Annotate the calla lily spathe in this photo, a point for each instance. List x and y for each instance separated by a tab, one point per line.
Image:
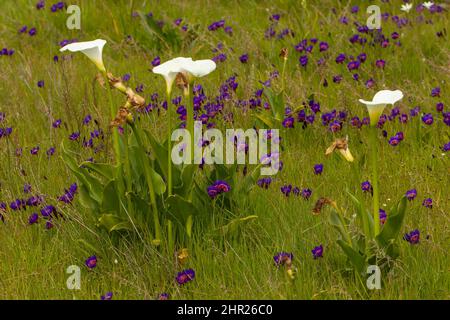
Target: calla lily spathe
170	69
379	102
92	49
406	7
428	4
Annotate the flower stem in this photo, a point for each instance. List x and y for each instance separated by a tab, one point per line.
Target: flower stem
169	147
190	119
282	74
113	111
376	201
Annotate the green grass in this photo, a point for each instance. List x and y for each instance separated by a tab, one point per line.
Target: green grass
33	261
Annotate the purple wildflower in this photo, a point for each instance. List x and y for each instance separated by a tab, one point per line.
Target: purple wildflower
33	218
283	258
185	276
366	186
91	262
318	168
107	296
428	203
317	252
413	237
428	119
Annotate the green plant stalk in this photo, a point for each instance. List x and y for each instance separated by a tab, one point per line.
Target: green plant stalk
376	201
115	133
282	75
169	169
169	146
150	185
190	119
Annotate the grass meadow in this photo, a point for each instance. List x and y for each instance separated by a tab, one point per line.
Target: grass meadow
410	53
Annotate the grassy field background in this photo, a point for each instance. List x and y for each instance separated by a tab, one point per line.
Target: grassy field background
33	260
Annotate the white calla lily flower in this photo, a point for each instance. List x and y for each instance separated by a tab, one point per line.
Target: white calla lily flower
379	102
428	4
406	7
200	68
92	49
170	69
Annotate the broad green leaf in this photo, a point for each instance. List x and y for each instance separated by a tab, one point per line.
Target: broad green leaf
158	183
160	152
106	170
367	220
266	119
180	209
110	200
113	223
189	223
86	200
393	224
355	257
337	221
93	185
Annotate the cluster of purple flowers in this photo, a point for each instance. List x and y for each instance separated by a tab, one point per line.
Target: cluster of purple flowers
396	139
6	52
264	182
217	188
296	191
69	194
58	6
216	25
31	31
271	31
5	132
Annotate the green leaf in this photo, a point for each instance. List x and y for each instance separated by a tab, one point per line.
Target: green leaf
367	220
85	199
158	183
189	223
160	152
393	224
180	209
233	226
93	185
357	260
110	199
276	102
114	223
266	119
337	221
187	179
106	170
